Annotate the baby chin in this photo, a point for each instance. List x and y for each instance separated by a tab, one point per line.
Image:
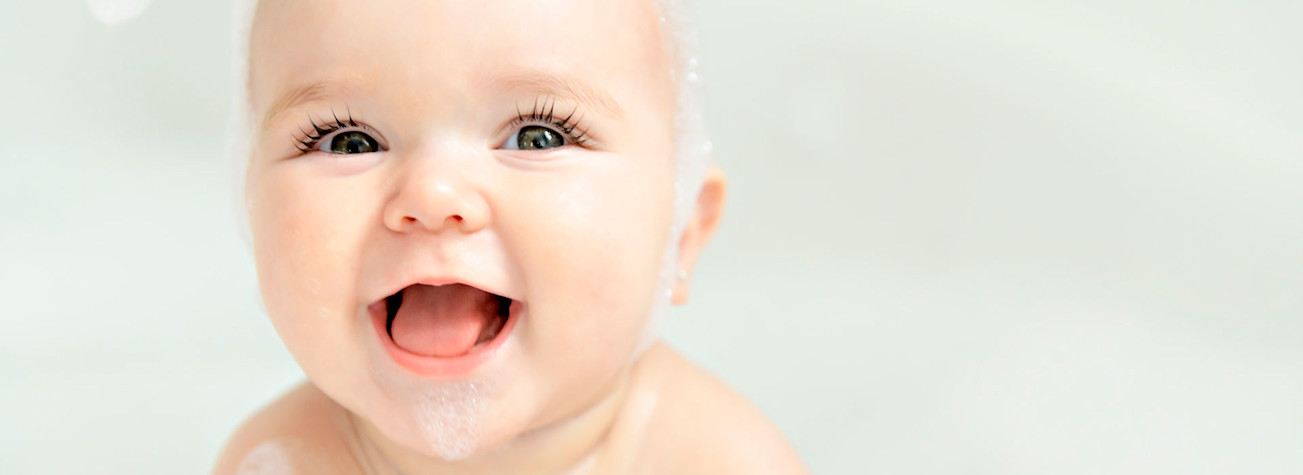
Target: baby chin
448	419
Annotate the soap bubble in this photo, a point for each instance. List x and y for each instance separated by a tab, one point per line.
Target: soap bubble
114	12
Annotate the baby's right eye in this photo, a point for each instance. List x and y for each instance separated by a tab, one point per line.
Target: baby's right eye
340	137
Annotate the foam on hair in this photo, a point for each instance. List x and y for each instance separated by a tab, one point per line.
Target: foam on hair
692	152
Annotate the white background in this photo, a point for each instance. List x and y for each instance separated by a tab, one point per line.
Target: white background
1014	237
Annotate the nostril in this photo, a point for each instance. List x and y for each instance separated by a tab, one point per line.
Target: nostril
457	217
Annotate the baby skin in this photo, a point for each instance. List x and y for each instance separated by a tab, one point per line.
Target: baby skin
464	220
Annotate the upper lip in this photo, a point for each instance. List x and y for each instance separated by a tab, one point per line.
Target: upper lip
445	279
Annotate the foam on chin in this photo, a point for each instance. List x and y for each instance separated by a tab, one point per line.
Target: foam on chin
449	418
444	419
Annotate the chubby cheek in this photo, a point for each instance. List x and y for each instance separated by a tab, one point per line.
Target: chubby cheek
305	232
591	244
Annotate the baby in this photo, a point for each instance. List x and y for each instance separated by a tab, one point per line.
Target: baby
467	217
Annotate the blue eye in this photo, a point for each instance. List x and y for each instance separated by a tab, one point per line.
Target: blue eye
534	137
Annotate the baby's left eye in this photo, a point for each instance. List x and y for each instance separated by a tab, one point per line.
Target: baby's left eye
534	137
351	142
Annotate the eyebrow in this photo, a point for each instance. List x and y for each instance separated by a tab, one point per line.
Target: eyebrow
541	82
301	94
569	87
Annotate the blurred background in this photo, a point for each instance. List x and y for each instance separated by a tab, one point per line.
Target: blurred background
1015	237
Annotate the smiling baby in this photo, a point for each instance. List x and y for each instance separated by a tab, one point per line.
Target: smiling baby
467	217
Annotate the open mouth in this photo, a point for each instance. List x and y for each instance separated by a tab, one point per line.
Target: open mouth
427	324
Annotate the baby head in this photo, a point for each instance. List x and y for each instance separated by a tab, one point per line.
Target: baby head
468	215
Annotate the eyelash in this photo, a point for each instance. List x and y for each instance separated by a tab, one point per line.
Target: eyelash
544	113
310	139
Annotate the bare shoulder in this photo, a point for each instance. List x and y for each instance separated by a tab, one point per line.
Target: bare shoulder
700	425
301	432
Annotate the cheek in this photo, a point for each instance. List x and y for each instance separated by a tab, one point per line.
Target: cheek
591	244
304	230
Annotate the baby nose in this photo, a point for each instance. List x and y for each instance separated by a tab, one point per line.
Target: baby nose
433	200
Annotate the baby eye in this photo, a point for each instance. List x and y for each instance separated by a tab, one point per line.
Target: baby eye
534	137
351	142
343	136
543	129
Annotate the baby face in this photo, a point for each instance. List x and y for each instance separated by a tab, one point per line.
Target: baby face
460	209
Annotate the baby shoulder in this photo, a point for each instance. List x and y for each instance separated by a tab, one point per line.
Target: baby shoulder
701	425
298	433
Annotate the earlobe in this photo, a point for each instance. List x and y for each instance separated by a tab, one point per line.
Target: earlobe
699	229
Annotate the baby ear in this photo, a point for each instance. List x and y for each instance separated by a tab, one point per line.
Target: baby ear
699	229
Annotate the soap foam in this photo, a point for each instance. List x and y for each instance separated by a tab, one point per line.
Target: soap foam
268	458
450	415
116	12
443	418
282	456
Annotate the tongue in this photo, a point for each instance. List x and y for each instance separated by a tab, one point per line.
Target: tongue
441	321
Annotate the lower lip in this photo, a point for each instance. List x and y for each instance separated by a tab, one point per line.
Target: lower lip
436	367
